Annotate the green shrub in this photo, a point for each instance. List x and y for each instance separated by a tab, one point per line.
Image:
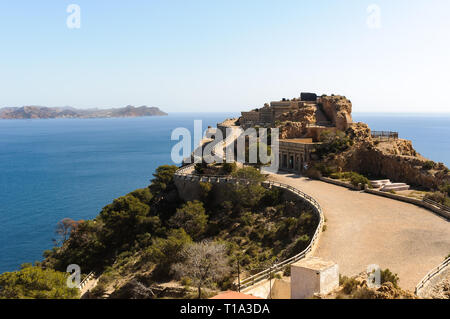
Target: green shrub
388	276
186	281
438	197
199	168
356	179
249	173
428	165
349	284
313	173
333	142
98	291
205	189
325	170
336	175
229	168
33	282
192	218
445	188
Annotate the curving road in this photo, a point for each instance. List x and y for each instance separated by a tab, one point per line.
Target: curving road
364	229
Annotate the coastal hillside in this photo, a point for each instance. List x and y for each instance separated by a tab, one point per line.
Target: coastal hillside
40	112
149	243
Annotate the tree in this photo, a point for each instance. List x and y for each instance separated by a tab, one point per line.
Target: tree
249	173
192	218
333	142
36	283
204	263
163	178
229	168
126	217
63	230
166	251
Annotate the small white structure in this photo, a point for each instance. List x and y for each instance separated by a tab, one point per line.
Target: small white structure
313	276
385	185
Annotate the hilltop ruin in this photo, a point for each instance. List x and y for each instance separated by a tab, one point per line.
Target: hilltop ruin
303	120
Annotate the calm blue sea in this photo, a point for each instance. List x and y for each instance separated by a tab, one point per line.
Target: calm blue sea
52	169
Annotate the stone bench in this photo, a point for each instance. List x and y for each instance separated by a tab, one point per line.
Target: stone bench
395	187
380	183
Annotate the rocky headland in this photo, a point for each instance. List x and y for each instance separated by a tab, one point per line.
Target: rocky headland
351	146
41	112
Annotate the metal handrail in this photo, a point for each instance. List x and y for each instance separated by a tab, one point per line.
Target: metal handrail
86	280
431	274
381	134
250	281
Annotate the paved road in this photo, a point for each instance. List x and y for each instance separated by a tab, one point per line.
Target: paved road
364	229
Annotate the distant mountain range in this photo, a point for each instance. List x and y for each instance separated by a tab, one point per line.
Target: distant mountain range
42	112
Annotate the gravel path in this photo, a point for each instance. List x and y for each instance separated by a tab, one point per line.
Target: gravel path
364	229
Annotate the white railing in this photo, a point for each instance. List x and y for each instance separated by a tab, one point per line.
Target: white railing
435	271
84	282
254	279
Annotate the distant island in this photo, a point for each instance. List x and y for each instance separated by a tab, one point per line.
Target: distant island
41	112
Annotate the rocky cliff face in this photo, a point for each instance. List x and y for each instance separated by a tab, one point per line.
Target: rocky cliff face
290	129
304	115
395	159
338	109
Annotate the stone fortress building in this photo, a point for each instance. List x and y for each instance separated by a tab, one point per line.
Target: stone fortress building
301	121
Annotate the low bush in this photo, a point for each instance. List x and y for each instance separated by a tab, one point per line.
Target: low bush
333	142
428	165
229	168
445	188
356	179
353	177
313	173
388	276
438	197
349	284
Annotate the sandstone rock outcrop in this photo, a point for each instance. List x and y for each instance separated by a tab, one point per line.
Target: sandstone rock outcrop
338	109
304	115
359	132
290	129
391	160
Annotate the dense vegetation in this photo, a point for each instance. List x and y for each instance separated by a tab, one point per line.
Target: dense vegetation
143	236
333	142
320	169
35	282
357	287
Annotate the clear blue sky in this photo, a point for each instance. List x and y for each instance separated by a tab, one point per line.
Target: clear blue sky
225	55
